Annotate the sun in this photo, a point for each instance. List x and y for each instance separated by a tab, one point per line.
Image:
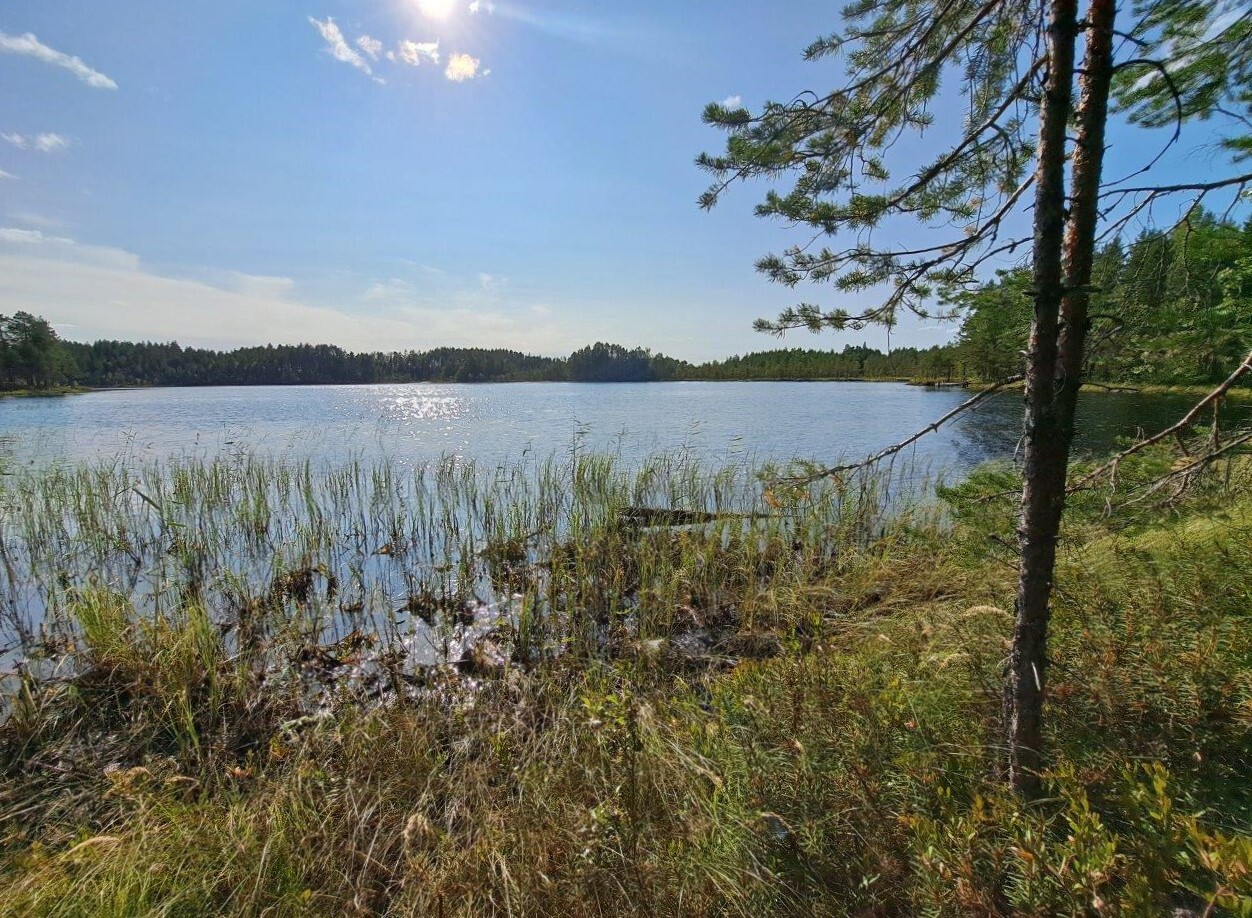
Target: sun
437	9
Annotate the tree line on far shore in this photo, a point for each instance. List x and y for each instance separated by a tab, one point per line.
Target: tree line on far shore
123	363
42	360
1172	308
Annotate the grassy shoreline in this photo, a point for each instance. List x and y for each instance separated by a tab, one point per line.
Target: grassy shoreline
50	392
789	711
1236	393
1239	393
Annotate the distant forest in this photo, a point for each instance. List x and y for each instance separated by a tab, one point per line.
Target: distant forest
1168	308
120	363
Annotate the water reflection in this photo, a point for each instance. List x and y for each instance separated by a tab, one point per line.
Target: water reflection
424	407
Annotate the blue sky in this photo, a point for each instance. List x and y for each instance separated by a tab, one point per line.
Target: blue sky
241	172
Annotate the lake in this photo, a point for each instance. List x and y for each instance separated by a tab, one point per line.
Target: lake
718	422
332	504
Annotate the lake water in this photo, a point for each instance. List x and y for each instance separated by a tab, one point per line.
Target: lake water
234	535
721	423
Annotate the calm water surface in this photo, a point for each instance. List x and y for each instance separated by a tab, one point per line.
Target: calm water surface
718	422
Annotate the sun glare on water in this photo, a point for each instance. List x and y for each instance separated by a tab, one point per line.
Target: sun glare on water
437	9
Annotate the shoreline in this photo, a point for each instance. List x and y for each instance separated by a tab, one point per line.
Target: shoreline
52	392
1238	393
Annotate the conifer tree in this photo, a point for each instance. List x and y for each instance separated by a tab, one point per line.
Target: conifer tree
1011	66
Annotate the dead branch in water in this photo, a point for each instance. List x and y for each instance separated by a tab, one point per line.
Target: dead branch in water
648	517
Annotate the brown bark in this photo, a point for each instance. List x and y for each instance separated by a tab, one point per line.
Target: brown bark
1063	257
1044	475
1088	166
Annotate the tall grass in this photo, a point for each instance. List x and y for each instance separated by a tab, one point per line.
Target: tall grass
232	534
574	688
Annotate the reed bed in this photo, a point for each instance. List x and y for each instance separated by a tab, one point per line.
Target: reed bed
415	555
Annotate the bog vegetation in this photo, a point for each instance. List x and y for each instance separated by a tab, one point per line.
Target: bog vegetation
250	687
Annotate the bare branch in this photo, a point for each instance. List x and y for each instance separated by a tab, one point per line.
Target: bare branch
1178	112
1158	190
908	441
1187	473
1187	420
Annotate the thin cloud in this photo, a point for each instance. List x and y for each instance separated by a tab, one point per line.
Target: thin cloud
414	52
33	247
338	46
30	46
36	221
370	46
31	237
481	6
734	103
260	285
492	284
7	175
68	283
44	143
461	67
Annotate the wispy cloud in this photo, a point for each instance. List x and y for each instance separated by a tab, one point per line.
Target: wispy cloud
365	48
484	6
260	285
36	221
733	102
50	143
370	46
338	46
492	284
31	46
7	175
40	247
69	282
462	67
414	52
31	237
44	143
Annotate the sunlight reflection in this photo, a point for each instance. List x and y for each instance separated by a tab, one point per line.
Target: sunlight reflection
425	407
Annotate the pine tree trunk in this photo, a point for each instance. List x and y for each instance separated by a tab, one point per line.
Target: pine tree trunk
1053	381
1084	212
1043	492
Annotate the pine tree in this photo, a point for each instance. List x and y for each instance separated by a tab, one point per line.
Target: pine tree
1014	70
